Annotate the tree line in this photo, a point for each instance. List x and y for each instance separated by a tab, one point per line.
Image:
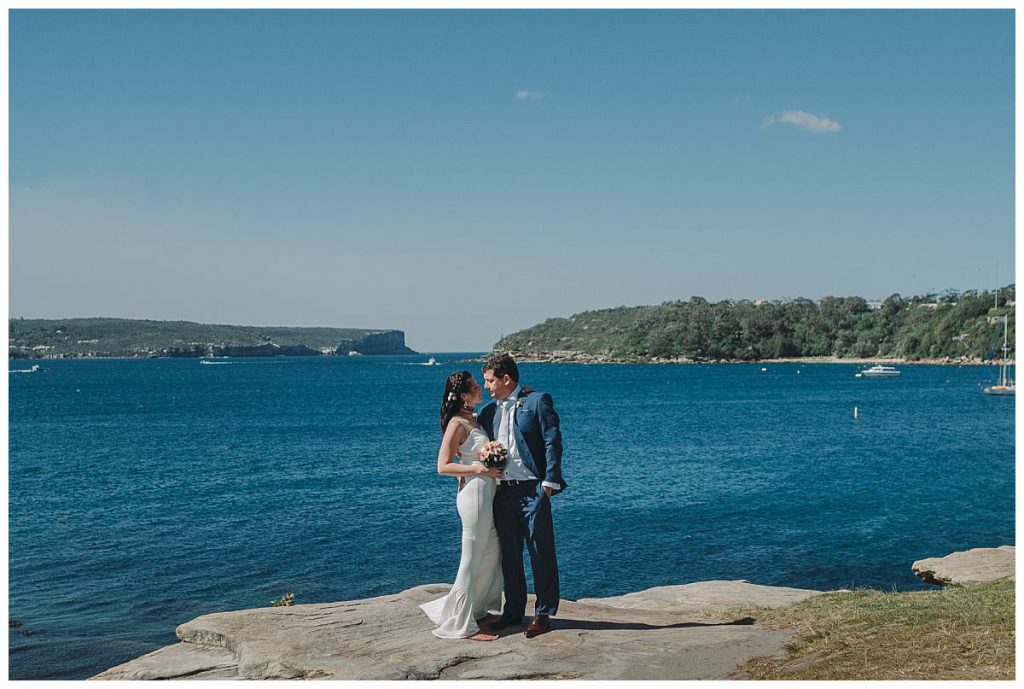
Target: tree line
954	325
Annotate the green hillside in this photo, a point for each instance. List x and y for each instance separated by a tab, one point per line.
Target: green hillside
957	325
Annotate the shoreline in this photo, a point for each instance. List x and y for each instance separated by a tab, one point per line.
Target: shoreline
584	358
566	357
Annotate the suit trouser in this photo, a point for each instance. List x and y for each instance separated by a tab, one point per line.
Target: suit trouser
523	513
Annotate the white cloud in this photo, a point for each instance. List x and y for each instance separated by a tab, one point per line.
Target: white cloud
817	124
523	94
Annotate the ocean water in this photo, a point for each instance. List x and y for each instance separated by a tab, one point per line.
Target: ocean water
146	493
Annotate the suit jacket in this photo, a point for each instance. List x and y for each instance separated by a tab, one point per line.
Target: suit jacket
538	437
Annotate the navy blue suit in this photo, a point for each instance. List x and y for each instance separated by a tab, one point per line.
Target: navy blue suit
523	513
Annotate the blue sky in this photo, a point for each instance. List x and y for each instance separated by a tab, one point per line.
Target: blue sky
464	174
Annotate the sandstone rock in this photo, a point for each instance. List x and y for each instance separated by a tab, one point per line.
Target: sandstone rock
656	634
968	567
703	596
180	661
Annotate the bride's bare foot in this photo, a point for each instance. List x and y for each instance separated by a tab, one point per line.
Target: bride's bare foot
483	636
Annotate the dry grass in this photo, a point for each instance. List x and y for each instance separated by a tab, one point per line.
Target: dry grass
952	633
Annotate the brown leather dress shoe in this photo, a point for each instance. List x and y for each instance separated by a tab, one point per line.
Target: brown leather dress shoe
539	625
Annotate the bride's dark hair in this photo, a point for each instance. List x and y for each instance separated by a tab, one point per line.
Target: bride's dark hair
456	384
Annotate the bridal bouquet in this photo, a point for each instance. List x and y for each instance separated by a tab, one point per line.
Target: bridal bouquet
494	455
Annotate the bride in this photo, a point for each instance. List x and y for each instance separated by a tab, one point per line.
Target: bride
477	587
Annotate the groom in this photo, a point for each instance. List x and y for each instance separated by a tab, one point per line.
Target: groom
525	422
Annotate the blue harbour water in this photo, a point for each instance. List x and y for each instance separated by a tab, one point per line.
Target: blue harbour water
146	493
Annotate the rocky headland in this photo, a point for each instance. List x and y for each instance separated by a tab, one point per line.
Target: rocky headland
96	338
689	631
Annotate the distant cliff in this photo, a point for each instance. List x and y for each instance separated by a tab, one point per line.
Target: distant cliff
118	337
381	342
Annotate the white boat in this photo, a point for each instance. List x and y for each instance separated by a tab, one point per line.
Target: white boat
878	370
1005	386
432	362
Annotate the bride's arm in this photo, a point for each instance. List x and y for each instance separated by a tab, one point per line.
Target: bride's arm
454	436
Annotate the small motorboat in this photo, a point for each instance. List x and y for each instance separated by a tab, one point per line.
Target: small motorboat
880	371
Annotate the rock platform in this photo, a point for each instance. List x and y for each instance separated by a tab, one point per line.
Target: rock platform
661	633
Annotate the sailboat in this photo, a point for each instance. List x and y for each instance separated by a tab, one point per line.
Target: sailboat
1005	386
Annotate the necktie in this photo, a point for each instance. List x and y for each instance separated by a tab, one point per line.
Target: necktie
504	431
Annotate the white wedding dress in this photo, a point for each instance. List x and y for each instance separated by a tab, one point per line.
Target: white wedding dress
477	587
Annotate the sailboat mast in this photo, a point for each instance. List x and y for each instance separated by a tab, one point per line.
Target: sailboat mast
1002	369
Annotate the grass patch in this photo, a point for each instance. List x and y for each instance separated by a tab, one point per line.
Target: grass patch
958	632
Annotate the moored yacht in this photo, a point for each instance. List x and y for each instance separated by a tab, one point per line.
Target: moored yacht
1005	386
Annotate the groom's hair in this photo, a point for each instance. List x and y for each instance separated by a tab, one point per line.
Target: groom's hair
500	364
